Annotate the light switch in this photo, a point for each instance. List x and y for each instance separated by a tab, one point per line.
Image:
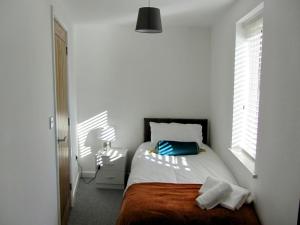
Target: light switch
51	122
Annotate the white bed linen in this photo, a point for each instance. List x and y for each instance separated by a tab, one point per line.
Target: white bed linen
189	169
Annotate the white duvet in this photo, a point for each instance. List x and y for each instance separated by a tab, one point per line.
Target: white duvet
190	169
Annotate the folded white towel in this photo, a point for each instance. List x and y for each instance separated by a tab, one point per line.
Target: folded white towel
234	200
213	196
208	184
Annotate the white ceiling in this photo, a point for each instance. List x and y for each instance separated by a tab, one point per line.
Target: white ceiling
173	12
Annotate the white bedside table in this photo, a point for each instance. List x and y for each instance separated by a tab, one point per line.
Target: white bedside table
112	168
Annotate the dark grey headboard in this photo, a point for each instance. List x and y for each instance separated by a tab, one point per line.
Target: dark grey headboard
202	122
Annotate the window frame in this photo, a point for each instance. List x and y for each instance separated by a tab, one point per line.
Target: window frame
247	157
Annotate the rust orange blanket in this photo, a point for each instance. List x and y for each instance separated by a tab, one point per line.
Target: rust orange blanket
174	204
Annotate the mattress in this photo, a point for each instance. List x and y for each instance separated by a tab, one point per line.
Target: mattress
149	167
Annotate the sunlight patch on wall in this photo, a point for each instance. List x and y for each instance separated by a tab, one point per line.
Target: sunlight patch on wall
89	129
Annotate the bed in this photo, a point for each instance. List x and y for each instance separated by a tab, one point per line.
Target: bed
161	190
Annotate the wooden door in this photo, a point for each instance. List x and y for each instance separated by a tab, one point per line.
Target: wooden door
62	115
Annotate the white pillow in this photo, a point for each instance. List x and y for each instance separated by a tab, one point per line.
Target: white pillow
176	132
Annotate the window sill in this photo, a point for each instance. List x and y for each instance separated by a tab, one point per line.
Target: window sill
245	159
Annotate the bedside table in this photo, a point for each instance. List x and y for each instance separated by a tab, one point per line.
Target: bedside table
112	168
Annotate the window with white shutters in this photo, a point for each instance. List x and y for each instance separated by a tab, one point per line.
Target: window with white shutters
248	55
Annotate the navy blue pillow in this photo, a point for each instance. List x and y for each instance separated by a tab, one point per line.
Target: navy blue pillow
176	148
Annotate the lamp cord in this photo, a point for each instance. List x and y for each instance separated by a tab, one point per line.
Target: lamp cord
88	181
148	3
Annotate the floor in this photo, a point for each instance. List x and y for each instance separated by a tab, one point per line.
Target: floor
95	206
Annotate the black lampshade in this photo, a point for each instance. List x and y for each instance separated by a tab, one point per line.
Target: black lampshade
149	20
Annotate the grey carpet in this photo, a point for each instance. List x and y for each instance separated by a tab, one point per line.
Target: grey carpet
95	206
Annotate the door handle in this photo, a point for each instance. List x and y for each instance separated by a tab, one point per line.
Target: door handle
62	140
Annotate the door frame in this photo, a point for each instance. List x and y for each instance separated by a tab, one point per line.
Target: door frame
54	18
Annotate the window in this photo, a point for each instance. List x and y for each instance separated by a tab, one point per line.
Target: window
248	53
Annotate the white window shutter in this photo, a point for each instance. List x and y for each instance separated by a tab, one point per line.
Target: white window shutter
246	88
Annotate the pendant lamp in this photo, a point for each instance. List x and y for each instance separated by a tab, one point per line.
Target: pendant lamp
148	20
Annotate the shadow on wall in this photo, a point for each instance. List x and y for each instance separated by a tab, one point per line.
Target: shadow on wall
92	132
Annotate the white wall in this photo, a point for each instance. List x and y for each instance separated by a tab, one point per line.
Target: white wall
133	75
278	160
278	157
28	162
28	175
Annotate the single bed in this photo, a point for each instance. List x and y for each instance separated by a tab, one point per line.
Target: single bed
161	190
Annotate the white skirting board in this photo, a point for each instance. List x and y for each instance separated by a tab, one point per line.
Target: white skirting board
74	189
88	174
